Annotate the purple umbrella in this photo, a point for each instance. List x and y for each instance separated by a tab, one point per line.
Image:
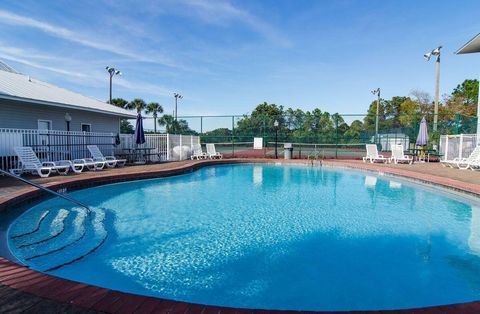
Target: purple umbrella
422	138
139	134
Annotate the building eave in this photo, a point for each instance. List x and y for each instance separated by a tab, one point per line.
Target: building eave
472	46
68	106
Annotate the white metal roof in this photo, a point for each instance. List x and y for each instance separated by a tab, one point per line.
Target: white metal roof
21	87
472	46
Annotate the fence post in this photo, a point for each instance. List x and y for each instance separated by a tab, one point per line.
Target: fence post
457	123
233	136
201	125
181	148
168	147
460	147
446	148
264	140
336	137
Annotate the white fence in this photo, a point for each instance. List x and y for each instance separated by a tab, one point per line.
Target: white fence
162	147
51	145
457	146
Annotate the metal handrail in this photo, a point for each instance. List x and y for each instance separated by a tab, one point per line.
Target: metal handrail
38	186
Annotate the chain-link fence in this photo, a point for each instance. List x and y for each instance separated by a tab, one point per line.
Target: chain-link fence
322	134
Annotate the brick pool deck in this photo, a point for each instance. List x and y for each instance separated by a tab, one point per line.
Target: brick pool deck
25	290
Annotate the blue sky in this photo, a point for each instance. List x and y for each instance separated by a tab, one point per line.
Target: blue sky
227	56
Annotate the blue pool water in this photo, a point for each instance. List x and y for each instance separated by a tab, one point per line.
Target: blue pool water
264	236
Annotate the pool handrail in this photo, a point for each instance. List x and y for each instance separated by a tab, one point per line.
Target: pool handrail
38	186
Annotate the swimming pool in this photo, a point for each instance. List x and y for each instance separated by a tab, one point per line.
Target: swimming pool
264	236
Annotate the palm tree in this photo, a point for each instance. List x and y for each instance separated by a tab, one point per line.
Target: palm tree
119	102
154	108
168	121
137	104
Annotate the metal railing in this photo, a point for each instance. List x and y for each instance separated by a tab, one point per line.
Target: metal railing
163	147
38	186
233	134
52	145
457	146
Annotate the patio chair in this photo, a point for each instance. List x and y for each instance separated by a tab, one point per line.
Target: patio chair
212	153
198	153
398	155
90	164
29	162
372	154
471	162
110	161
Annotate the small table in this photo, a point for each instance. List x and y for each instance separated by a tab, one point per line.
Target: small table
137	154
427	153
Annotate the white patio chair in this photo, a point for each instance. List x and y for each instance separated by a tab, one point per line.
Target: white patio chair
398	155
29	162
471	162
110	161
212	153
198	153
90	164
372	154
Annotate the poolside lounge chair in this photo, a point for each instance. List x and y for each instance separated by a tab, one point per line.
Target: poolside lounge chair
110	161
90	164
471	162
198	153
29	162
398	155
372	154
212	153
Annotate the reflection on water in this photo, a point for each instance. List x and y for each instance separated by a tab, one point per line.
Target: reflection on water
395	185
474	238
257	175
370	181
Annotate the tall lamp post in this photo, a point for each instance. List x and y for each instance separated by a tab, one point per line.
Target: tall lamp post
112	72
377	92
435	52
177	96
275	124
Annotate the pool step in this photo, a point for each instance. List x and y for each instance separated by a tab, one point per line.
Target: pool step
50	227
74	230
93	237
33	228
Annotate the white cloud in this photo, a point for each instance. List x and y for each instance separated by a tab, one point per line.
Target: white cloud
219	12
10	18
40	66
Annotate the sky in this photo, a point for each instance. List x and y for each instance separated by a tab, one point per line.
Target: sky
227	56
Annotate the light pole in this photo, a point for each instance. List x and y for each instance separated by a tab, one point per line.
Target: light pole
377	92
275	124
427	56
112	72
177	96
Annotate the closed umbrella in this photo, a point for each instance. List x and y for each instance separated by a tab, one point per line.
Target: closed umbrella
139	133
422	138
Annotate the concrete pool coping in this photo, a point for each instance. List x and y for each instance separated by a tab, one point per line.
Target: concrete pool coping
91	298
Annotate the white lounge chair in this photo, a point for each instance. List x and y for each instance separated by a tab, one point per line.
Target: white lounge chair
198	153
212	153
29	162
90	164
110	161
372	154
471	162
398	155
